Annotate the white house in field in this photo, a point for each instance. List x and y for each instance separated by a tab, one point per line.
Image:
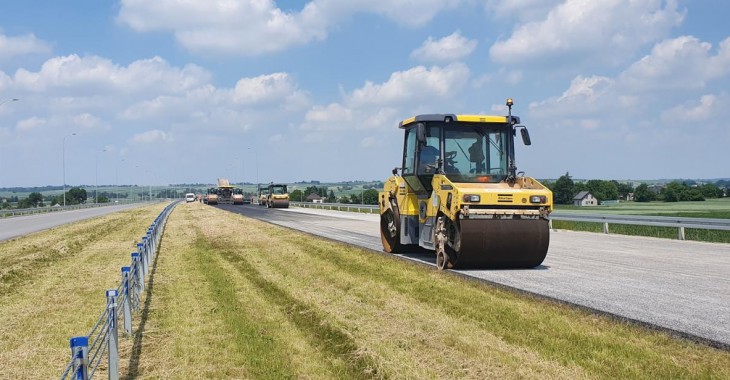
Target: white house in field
585	198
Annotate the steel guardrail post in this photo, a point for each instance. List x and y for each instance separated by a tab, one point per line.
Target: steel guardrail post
137	263
113	336
127	304
681	233
80	353
141	248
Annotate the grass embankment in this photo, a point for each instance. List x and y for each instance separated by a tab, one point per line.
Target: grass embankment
237	298
52	287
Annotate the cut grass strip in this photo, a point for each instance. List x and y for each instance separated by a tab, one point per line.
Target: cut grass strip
347	359
602	347
260	355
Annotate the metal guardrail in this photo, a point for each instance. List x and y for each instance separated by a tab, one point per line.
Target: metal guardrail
45	210
87	351
657	221
606	219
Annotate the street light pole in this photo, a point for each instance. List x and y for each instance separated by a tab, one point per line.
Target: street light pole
255	152
63	163
116	182
96	176
5	101
9	100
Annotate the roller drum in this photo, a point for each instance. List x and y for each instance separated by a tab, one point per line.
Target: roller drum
280	203
502	243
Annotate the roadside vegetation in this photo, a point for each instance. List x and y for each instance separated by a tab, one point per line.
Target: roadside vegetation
231	297
52	287
238	298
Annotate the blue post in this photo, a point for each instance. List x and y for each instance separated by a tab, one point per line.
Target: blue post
137	263
141	250
80	353
113	340
127	306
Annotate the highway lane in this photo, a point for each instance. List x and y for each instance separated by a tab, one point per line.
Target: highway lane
681	286
23	225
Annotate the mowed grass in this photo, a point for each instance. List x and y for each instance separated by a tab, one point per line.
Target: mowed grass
52	287
238	298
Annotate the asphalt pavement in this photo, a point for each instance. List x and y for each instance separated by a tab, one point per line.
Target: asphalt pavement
24	225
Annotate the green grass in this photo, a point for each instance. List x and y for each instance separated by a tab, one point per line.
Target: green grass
276	303
700	209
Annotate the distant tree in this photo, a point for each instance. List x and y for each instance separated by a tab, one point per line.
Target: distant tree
103	199
623	189
331	197
355	199
643	194
370	197
695	195
344	199
35	199
602	190
563	190
296	195
75	196
709	190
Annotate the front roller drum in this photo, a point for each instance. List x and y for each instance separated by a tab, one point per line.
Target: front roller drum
502	243
280	203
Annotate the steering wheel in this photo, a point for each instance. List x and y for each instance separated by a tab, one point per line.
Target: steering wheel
450	155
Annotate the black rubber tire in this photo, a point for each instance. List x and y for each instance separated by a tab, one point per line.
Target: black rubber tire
390	231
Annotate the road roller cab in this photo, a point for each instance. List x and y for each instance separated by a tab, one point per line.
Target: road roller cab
459	194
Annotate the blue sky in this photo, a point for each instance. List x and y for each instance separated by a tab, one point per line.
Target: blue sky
173	91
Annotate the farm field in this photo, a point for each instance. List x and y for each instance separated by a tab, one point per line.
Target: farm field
710	208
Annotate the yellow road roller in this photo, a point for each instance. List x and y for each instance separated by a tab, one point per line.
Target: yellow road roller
459	194
278	196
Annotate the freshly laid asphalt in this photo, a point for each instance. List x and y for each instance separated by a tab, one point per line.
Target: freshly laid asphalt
679	286
24	225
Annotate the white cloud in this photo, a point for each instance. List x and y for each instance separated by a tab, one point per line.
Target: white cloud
369	142
90	122
418	83
585	95
253	27
95	74
598	31
694	111
150	137
679	63
523	10
263	88
30	124
11	47
451	48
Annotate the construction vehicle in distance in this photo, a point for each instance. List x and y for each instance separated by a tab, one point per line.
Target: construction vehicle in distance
263	195
459	194
278	196
212	197
228	194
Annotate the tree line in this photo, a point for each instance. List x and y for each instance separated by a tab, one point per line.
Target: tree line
565	189
74	196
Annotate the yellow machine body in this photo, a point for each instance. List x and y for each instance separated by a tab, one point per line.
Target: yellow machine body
278	196
468	205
